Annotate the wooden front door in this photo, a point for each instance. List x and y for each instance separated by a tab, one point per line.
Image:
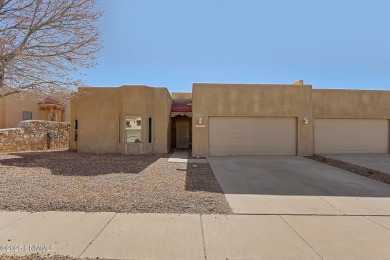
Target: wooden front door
182	134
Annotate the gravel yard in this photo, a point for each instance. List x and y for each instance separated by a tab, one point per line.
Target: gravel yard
360	170
69	181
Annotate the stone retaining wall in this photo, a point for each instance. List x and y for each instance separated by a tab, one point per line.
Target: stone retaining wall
34	135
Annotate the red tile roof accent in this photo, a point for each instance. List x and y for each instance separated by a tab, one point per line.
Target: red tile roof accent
50	101
181	106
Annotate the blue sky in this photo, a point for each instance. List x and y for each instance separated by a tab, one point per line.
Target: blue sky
174	43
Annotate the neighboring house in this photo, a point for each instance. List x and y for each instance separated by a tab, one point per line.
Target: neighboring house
231	119
29	106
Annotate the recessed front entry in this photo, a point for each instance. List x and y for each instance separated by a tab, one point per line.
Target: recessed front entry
182	134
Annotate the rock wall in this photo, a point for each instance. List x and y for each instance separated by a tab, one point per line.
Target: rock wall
34	135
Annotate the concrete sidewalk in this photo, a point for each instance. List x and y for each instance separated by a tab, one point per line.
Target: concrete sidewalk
181	156
169	236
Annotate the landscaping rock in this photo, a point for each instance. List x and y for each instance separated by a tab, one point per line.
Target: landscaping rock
70	181
360	170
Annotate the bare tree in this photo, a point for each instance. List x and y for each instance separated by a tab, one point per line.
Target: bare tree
45	43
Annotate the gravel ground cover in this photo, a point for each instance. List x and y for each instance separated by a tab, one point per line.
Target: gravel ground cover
69	181
360	170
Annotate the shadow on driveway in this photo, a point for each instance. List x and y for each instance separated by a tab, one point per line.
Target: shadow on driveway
201	178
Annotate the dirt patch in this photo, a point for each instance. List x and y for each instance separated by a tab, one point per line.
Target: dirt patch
69	181
360	170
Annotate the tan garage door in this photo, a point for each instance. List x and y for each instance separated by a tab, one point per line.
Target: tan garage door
351	136
252	136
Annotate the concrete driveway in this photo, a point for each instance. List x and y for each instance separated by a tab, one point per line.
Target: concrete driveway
296	185
374	161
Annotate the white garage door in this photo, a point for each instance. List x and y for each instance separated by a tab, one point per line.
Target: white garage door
252	136
351	136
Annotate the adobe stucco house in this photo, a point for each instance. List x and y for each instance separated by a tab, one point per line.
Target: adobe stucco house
231	119
29	106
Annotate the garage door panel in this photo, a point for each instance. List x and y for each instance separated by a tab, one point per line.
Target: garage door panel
252	136
351	136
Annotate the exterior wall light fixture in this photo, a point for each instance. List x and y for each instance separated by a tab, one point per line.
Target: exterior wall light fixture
200	120
306	120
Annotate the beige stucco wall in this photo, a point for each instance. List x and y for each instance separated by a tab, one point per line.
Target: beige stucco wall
73	111
98	111
351	104
67	111
12	107
341	103
97	120
181	95
251	100
2	113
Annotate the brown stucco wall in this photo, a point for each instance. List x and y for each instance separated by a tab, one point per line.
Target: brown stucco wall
251	100
341	103
31	135
98	111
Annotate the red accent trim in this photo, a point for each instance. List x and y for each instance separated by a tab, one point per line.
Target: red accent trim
50	101
181	106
